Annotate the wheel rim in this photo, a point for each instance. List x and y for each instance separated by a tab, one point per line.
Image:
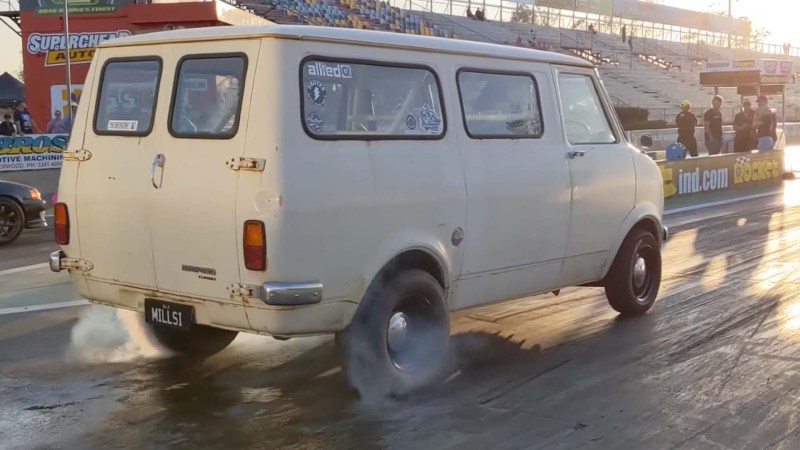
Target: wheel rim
412	331
643	277
10	221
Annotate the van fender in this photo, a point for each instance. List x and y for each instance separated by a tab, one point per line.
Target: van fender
643	211
434	246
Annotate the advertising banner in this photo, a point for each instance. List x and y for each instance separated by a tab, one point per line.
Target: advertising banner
32	152
695	181
653	12
45	7
82	46
59	99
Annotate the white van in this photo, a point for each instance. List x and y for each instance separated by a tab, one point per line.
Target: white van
295	181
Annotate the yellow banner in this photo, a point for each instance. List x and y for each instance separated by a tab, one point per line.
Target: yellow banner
77	56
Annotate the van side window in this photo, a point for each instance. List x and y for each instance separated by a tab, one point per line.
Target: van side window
348	100
207	97
585	120
500	106
127	99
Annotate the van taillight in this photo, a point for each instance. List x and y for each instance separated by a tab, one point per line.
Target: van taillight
255	245
61	223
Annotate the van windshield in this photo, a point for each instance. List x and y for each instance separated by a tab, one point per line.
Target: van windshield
127	97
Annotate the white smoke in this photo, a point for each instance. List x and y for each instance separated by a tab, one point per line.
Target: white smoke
109	335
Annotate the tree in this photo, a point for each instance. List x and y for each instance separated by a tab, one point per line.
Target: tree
522	14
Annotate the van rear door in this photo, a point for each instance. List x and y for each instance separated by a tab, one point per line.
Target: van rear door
113	188
194	228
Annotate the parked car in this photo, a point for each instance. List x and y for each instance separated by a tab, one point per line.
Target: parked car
294	181
21	207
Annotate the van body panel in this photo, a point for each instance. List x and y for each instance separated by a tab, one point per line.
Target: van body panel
603	189
518	197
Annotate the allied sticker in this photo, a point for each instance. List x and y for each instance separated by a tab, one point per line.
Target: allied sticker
317	93
429	119
331	70
314	122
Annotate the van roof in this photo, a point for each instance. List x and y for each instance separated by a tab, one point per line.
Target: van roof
347	35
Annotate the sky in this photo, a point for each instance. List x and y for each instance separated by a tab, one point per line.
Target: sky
778	16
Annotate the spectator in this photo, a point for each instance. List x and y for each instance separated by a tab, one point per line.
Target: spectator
743	126
630	41
686	122
519	41
591	28
624	32
23	119
479	14
765	122
469	12
712	126
7	126
56	124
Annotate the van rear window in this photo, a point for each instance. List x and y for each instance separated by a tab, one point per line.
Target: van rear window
127	97
207	97
372	101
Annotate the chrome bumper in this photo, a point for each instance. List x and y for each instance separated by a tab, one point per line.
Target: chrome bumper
55	261
665	236
290	294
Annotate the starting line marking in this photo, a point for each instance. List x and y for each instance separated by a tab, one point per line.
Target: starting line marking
32	308
23	269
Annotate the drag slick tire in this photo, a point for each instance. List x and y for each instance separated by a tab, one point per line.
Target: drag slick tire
12	220
398	339
198	342
633	282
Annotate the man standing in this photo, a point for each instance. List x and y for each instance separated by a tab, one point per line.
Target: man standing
712	126
23	119
686	121
56	124
7	126
766	125
743	126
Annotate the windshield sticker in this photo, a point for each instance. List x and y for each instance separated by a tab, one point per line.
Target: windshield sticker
430	121
411	122
315	122
123	125
317	93
320	69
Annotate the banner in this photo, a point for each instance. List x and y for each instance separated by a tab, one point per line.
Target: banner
694	181
32	152
58	97
653	12
82	46
46	7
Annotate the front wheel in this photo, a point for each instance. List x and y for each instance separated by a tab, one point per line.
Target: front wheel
200	341
633	282
398	339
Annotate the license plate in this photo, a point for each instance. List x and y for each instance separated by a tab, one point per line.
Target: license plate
168	314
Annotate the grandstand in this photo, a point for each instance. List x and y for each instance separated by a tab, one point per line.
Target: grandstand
650	73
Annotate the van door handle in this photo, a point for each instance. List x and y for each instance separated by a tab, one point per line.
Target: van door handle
158	162
575	153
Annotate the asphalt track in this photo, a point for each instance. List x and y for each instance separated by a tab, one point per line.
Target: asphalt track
715	365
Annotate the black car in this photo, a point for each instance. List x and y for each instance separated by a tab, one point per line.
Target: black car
21	206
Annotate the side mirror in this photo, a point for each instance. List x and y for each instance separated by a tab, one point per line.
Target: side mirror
646	141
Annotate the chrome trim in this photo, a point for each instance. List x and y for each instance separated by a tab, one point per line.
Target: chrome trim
55	261
665	236
290	294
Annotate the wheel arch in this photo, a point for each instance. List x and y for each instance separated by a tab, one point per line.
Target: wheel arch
645	217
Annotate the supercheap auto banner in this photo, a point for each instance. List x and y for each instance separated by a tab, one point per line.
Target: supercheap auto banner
32	152
694	181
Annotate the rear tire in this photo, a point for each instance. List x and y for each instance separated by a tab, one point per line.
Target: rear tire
398	340
12	221
633	282
200	341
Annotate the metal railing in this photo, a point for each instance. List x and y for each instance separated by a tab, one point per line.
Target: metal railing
728	114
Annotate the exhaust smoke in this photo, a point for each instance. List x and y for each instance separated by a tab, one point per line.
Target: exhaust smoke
110	335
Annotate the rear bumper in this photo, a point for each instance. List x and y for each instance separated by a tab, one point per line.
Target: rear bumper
55	261
664	234
35	213
290	294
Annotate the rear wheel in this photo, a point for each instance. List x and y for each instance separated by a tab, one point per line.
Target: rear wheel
12	221
398	339
199	341
633	282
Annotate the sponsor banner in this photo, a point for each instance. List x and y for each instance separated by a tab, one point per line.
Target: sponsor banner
82	45
32	152
663	137
601	7
765	66
652	12
47	7
715	178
